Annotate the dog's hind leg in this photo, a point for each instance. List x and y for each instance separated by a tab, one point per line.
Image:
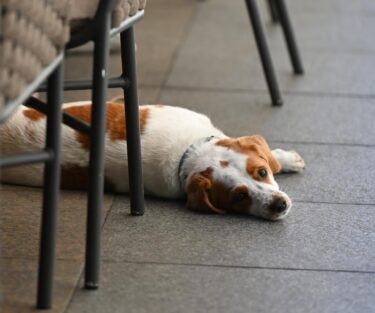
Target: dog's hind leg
290	161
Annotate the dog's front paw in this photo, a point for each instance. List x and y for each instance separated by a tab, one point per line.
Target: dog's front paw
290	161
293	162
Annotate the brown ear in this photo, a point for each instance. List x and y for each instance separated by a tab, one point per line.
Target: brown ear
272	161
197	194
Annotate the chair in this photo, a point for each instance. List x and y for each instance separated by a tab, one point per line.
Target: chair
98	29
33	35
110	17
280	14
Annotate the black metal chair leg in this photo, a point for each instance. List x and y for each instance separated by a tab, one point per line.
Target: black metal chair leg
129	70
97	147
51	190
264	53
289	36
273	11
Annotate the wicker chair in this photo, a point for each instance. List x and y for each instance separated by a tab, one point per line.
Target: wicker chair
33	36
111	17
92	20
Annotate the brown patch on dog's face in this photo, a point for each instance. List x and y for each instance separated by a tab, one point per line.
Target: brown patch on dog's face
115	121
261	164
33	115
256	167
209	195
230	200
240	200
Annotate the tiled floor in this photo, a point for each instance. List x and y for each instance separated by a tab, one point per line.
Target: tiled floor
201	55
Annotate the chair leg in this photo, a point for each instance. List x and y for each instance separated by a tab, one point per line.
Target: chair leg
97	147
289	36
264	53
50	191
273	11
129	70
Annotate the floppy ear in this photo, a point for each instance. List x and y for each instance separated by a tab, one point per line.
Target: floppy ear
272	161
197	194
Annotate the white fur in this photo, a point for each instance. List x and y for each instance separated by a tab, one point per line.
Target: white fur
290	161
169	131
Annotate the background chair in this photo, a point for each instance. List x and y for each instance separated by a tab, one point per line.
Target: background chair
280	14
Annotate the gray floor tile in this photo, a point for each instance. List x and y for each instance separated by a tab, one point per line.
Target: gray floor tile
166	288
20	220
18	281
78	66
226	59
313	236
348	33
327	73
331	174
158	36
302	118
337	7
145	95
344	32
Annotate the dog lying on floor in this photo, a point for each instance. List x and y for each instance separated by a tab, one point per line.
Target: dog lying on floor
183	154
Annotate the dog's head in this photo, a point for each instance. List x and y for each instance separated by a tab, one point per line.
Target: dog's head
238	177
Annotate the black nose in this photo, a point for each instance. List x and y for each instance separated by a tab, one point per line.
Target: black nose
278	205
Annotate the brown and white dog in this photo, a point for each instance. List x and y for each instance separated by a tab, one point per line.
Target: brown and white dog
183	155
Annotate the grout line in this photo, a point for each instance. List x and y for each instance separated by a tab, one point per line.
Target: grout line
239	266
330	50
335	203
161	199
261	91
316	143
73	289
109	210
81	273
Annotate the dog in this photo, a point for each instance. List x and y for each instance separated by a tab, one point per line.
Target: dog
183	155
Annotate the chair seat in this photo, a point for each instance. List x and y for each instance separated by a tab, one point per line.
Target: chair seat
33	33
84	11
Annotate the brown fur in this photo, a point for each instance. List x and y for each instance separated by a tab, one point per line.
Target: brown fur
33	115
198	189
115	120
258	152
207	195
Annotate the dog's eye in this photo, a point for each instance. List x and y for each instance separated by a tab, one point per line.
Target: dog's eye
239	196
263	173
